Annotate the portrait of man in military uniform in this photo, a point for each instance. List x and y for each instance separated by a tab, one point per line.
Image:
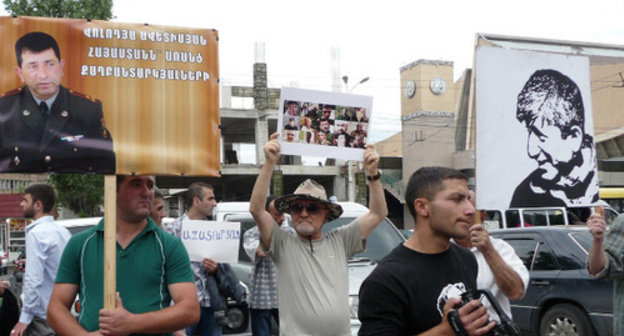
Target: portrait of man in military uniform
45	127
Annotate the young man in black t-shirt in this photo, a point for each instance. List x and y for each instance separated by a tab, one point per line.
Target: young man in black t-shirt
414	288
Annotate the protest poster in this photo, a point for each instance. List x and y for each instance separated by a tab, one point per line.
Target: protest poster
209	239
324	124
133	98
535	131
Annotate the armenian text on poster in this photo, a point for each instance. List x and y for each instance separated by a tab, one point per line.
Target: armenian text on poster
208	239
138	98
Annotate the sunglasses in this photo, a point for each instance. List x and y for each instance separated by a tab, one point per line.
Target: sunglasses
311	208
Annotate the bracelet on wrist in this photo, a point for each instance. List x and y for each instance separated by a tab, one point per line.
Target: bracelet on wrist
374	177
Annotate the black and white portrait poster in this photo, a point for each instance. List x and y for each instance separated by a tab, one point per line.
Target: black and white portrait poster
535	132
324	124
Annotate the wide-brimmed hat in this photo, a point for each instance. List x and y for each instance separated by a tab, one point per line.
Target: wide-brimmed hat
309	190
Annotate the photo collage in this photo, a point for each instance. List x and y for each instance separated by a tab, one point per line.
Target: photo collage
324	124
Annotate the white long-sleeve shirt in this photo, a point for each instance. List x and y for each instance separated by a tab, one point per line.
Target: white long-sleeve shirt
45	241
485	277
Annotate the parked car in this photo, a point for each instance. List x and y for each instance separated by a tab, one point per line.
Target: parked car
379	243
238	314
562	298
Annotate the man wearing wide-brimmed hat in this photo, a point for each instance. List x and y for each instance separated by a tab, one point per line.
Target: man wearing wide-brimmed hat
312	267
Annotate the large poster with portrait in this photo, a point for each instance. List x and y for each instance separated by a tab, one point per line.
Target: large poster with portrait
535	132
80	96
324	124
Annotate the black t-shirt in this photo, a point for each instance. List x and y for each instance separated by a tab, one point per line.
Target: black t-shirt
405	294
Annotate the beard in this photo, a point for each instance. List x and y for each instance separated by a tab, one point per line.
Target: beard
304	228
29	212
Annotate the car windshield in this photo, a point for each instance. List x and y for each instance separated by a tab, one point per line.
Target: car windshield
378	244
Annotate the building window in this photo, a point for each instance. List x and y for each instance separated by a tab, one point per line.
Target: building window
419	135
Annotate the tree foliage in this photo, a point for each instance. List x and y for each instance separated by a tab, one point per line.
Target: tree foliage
77	9
81	193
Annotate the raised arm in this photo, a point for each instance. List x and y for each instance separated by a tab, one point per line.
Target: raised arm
263	218
377	204
597	258
509	272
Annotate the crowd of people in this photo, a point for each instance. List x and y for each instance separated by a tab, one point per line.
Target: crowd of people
300	275
414	290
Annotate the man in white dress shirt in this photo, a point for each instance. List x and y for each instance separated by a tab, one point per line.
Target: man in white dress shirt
500	269
45	241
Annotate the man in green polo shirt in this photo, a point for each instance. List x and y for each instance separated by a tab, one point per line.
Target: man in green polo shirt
153	269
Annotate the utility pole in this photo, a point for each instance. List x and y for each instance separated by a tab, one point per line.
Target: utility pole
351	182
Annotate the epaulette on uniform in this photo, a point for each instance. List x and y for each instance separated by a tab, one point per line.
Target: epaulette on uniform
84	96
12	92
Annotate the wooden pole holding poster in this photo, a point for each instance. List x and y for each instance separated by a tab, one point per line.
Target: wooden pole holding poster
110	241
477	217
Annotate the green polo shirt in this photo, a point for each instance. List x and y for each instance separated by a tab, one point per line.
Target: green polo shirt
152	261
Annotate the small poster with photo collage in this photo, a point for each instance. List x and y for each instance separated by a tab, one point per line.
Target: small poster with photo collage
324	124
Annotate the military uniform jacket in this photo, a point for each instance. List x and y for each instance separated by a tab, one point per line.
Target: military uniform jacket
72	139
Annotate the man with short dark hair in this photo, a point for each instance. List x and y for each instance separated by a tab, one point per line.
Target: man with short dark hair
312	266
358	141
550	105
416	287
291	108
291	126
158	207
327	111
46	127
324	126
200	201
152	271
45	241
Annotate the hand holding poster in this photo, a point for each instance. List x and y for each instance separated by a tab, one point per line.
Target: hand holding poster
324	124
535	144
207	239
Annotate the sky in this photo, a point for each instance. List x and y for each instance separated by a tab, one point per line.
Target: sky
375	38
